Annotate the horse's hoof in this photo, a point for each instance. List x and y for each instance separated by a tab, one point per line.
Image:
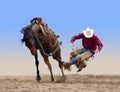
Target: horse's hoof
52	79
38	78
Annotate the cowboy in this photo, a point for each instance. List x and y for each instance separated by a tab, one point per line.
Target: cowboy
91	45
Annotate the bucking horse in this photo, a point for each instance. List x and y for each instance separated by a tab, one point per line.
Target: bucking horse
37	36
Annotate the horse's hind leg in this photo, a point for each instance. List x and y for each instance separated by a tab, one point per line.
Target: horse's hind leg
57	56
49	65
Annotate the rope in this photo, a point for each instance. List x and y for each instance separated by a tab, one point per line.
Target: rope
51	54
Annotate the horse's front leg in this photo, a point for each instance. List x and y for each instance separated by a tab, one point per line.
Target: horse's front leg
37	67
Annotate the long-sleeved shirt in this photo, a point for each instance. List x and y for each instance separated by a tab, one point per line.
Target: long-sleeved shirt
92	43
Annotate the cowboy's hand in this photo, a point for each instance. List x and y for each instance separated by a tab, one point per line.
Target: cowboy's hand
71	44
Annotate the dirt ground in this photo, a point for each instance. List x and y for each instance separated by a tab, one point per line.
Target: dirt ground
71	83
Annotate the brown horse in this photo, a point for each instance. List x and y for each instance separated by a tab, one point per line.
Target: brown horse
39	37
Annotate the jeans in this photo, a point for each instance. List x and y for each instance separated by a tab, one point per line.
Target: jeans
74	59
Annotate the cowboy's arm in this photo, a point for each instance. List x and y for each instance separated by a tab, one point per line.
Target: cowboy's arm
99	44
75	38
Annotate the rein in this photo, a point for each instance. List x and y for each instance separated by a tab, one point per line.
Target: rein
39	42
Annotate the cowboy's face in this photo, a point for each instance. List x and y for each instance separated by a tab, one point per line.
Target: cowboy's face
88	32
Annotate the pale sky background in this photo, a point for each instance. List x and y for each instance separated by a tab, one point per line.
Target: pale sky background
66	18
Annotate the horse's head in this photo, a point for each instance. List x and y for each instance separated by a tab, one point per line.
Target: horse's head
28	38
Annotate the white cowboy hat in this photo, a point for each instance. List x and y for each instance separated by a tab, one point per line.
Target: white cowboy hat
88	32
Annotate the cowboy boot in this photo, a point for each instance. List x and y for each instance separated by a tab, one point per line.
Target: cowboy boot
79	63
80	67
67	66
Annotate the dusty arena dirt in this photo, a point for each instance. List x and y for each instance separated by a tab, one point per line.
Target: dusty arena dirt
71	83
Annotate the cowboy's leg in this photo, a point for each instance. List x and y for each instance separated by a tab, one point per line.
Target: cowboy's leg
84	55
83	50
73	60
68	64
